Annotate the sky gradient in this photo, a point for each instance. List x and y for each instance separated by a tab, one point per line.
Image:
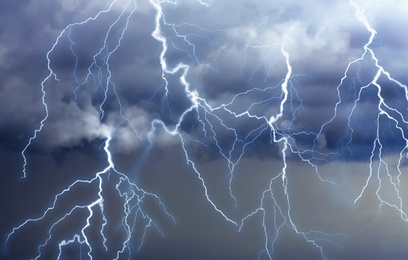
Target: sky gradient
139	129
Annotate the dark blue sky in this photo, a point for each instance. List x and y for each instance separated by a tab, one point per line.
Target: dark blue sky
237	129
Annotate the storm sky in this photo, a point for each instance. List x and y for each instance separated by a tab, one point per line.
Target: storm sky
237	129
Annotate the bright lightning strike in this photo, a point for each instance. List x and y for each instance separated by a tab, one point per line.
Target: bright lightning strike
225	126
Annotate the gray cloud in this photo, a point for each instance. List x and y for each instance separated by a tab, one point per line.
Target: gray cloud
229	56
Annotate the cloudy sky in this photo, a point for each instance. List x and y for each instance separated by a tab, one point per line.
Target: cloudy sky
139	129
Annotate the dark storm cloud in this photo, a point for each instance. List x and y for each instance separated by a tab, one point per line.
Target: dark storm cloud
20	66
26	31
246	55
227	57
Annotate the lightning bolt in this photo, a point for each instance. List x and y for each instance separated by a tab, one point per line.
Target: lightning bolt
198	103
215	121
384	111
133	197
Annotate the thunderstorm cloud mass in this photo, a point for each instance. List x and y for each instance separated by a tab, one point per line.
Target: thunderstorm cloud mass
204	129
